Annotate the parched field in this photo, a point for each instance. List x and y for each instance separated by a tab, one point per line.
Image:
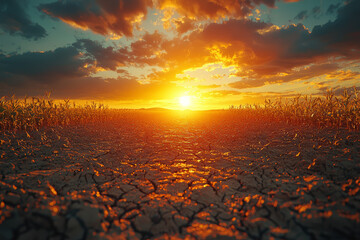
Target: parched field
180	175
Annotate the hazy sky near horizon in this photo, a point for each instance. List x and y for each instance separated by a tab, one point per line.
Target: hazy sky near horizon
148	53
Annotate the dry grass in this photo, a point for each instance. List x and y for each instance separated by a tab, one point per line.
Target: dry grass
325	111
33	113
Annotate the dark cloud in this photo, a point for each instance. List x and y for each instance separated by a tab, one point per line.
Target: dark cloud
145	51
107	58
332	8
342	36
148	50
78	60
15	21
48	66
301	15
119	17
67	72
316	11
101	16
81	59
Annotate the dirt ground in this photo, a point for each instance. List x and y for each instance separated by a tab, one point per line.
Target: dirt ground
180	176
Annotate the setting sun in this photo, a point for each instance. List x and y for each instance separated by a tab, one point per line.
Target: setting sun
185	101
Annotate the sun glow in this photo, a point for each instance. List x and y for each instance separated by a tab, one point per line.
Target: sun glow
185	101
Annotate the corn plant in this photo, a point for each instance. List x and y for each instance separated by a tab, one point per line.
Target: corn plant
328	110
33	113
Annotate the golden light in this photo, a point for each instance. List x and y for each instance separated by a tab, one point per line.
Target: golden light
185	101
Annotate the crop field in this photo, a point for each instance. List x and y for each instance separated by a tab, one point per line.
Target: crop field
287	169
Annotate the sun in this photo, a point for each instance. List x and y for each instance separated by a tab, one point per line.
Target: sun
185	101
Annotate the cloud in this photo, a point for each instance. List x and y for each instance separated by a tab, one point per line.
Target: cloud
15	21
81	59
256	46
301	15
264	49
65	62
107	58
209	9
344	75
67	72
208	86
332	8
261	53
117	18
295	75
148	50
342	36
184	24
101	16
316	11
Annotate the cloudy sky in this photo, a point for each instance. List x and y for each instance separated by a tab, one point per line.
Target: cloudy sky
148	53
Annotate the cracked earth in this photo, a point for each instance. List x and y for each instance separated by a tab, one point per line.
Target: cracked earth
181	176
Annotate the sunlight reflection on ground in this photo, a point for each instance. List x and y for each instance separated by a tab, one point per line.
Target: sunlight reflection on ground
185	178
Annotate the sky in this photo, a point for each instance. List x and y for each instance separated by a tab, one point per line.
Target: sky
151	53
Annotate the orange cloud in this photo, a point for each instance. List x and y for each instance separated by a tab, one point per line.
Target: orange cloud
101	16
293	75
184	24
117	18
344	75
213	9
208	86
262	53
